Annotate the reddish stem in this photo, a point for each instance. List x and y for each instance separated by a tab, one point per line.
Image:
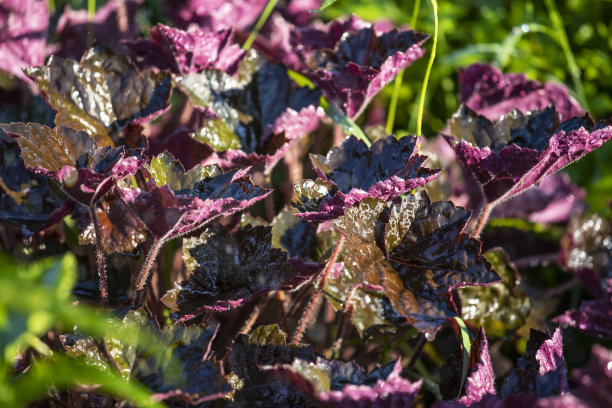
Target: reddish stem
100	255
313	305
145	271
482	220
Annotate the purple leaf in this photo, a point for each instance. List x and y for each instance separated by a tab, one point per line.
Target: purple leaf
502	167
351	62
431	257
102	94
480	380
75	29
387	169
185	52
541	370
490	93
594	317
555	199
229	270
346	385
216	15
174	204
23	35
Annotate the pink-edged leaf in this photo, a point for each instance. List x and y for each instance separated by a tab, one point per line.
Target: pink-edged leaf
333	383
491	93
351	61
541	370
518	151
184	52
183	203
23	35
480	380
386	170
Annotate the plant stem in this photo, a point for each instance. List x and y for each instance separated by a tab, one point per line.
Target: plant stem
246	327
100	255
316	298
145	271
397	85
432	56
561	38
347	314
259	24
91	13
482	220
416	353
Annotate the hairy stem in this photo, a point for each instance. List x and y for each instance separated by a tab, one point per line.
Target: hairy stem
318	295
145	270
100	255
259	24
482	220
246	327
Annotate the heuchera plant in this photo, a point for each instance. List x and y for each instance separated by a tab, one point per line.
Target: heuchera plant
216	196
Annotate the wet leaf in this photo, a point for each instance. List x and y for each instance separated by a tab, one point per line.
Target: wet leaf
228	270
101	94
387	169
499	308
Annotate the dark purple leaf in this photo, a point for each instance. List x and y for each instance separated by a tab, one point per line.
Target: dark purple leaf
266	346
594	317
595	379
490	93
75	30
541	370
229	270
185	52
430	257
387	169
175	203
555	199
343	385
187	150
351	62
102	94
502	167
253	118
86	171
23	35
121	230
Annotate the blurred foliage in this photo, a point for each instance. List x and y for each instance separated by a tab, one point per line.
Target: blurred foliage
36	298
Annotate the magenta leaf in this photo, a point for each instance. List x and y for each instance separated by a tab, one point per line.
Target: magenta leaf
491	93
541	370
387	169
175	202
23	35
351	61
185	52
480	380
217	15
519	150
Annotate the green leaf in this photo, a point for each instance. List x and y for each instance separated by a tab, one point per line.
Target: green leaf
325	5
166	170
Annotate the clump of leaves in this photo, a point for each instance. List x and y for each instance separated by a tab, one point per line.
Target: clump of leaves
170	167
